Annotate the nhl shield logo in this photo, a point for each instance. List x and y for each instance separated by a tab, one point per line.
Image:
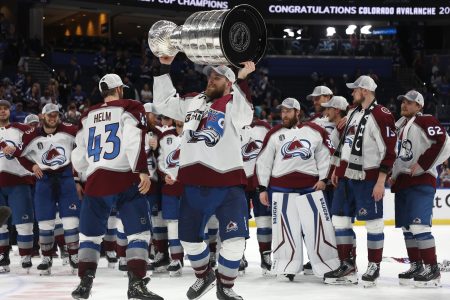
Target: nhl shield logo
281	137
40	146
169	141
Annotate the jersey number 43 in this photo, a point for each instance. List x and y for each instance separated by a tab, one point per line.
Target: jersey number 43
94	147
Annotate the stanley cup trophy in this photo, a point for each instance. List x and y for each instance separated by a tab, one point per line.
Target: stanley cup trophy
213	37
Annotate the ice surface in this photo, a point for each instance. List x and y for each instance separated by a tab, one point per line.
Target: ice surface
111	284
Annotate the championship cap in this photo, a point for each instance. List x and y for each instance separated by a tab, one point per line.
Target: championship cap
338	102
221	70
289	103
413	96
150	108
31	118
111	80
319	91
49	108
364	82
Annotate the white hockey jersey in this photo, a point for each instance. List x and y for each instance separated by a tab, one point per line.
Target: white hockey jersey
426	143
111	147
294	158
325	124
252	138
210	153
51	152
378	142
169	161
14	171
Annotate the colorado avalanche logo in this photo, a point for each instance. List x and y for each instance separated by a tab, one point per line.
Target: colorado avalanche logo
296	148
5	143
349	141
251	150
213	130
173	159
54	156
404	149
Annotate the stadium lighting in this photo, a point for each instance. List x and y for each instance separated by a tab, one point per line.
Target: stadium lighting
331	31
350	29
366	29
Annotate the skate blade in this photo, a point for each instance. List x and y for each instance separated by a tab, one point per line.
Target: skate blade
27	270
175	273
428	284
65	261
267	273
241	273
210	287
5	269
369	284
308	272
405	282
45	272
347	280
111	265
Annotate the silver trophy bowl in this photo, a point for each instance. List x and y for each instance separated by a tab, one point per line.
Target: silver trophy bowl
213	37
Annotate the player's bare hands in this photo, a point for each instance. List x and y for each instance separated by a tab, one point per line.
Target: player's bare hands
342	123
37	171
334	179
264	198
80	190
391	181
378	191
415	168
153	143
166	60
144	185
319	186
9	150
169	180
248	68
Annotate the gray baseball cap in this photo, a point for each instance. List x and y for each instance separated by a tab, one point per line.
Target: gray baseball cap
413	96
112	81
5	103
363	82
31	118
221	70
338	102
49	108
290	103
319	91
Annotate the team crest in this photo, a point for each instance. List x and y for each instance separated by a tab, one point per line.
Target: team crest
362	212
73	206
232	226
54	156
5	143
296	147
251	150
385	110
212	131
417	221
173	159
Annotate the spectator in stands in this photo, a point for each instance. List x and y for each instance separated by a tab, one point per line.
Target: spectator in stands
100	62
146	94
129	92
46	98
18	115
65	86
33	99
72	115
9	92
145	75
74	71
78	96
445	176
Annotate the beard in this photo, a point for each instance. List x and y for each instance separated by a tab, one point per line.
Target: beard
48	125
289	123
214	92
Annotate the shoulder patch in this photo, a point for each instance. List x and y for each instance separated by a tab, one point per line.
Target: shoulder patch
385	110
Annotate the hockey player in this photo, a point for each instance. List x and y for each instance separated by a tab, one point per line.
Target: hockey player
252	137
172	189
159	226
210	146
294	161
110	149
321	94
422	145
15	190
364	156
49	148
